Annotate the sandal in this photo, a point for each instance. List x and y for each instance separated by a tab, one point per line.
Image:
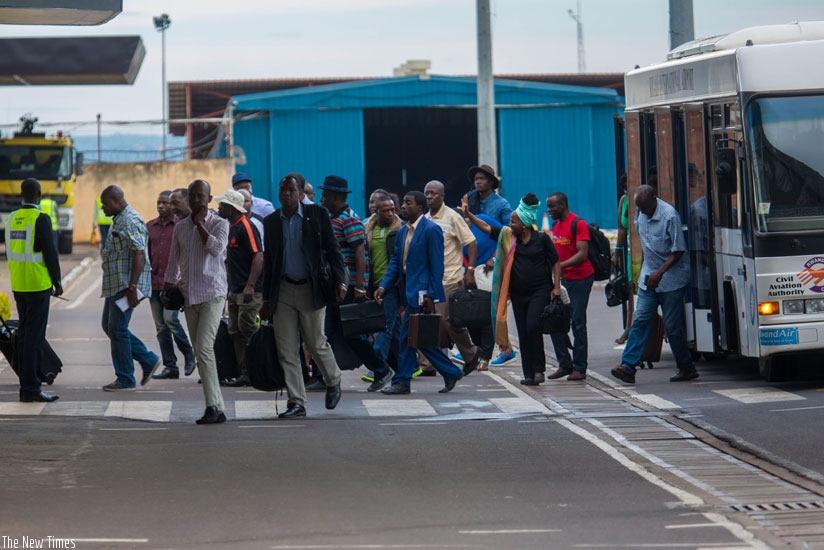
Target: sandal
623	338
483	364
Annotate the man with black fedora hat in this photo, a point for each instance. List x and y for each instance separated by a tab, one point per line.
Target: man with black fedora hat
483	199
351	236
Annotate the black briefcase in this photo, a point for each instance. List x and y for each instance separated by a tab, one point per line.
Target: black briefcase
362	318
470	307
424	330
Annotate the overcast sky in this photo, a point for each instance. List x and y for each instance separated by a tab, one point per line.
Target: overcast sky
266	39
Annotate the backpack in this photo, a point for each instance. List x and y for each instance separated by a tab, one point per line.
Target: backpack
599	251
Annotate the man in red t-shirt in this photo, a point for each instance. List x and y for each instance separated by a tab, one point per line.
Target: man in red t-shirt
578	275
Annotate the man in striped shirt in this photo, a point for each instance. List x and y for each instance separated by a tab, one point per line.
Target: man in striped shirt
244	265
197	265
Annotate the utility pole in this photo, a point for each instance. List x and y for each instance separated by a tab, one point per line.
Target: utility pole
487	132
579	31
162	23
682	24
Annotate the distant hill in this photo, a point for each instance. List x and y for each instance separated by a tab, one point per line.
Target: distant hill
130	148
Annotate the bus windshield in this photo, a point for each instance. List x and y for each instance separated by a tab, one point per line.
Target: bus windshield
787	137
18	162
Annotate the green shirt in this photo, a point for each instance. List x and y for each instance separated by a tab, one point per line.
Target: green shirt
380	259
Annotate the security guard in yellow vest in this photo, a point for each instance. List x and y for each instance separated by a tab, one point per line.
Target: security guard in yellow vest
102	221
34	271
49	207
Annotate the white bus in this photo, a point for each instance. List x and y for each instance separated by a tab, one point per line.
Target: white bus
732	129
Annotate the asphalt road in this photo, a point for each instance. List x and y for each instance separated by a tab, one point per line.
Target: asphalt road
564	465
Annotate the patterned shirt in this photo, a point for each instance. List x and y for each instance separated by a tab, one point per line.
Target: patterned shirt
661	235
199	269
350	233
127	236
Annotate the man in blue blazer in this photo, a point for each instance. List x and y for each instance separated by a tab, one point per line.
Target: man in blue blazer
418	265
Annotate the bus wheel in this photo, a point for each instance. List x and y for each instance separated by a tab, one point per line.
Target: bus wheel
766	368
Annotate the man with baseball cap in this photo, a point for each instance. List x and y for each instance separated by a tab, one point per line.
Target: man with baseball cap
244	265
260	207
483	199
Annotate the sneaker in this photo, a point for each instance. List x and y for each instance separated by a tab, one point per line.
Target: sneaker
147	373
116	386
417	372
368	377
623	374
380	383
503	358
457	357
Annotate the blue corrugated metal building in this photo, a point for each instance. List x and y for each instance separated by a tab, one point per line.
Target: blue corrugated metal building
399	133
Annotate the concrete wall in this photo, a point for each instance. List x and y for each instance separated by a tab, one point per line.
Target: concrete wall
141	183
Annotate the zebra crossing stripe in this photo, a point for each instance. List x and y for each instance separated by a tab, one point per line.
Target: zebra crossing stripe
760	395
399	407
152	411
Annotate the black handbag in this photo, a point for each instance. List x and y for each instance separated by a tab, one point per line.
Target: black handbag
470	307
174	299
617	289
362	318
556	317
262	363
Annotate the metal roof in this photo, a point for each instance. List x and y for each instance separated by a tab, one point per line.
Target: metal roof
59	12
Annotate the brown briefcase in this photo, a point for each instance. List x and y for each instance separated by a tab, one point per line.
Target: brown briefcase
424	330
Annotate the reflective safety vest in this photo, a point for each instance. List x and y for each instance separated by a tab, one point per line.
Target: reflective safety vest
100	217
49	207
27	271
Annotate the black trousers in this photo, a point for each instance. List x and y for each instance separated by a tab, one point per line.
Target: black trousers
527	310
33	309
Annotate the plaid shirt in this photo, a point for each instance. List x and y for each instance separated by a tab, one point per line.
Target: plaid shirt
127	236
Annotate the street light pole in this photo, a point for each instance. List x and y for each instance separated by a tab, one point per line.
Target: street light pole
579	28
162	23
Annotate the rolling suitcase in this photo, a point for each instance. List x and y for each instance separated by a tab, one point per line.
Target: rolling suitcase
227	368
49	368
655	340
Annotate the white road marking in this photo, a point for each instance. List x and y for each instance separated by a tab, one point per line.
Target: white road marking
283	425
248	410
155	411
86	293
692	526
508	531
18	408
398	407
795	409
658	402
515	405
760	395
76	408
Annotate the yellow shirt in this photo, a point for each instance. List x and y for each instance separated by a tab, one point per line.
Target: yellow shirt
456	235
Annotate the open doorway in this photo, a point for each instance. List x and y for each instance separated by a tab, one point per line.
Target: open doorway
407	147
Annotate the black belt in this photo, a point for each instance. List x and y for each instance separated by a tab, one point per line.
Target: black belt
296	281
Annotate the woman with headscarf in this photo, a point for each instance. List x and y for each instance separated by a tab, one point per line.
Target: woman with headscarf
528	275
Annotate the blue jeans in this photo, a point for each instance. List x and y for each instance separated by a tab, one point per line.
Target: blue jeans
169	331
579	301
407	361
672	305
126	348
388	340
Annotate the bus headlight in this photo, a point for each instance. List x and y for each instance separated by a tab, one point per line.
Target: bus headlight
815	305
793	307
768	308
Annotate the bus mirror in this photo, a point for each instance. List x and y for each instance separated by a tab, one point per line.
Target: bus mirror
725	171
78	164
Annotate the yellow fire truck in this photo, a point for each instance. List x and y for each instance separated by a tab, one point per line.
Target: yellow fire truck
50	159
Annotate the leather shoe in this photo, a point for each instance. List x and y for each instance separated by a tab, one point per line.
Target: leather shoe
332	396
167	373
211	416
396	389
528	382
470	365
293	410
577	375
239	382
39	397
449	385
685	375
559	373
623	374
191	364
539	378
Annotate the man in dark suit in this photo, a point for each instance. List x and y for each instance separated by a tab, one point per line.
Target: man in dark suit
296	236
418	265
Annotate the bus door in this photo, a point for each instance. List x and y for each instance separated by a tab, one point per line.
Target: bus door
735	275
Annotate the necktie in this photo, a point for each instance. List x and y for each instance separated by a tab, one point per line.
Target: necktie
406	244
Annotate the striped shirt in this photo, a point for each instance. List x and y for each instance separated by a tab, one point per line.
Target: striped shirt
350	233
127	236
199	270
